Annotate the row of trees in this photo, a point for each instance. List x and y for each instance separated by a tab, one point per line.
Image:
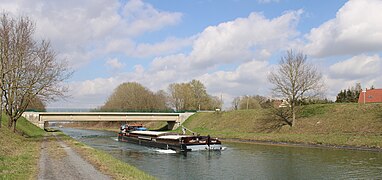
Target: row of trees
295	81
257	102
250	102
29	69
192	96
349	95
132	96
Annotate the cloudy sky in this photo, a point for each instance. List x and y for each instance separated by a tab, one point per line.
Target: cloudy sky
229	45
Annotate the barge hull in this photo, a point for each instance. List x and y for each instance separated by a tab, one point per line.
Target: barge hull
149	143
162	145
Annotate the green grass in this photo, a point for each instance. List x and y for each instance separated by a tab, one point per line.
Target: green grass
327	124
19	155
107	163
28	129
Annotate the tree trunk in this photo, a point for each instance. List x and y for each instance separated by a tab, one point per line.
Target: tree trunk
10	123
14	126
293	107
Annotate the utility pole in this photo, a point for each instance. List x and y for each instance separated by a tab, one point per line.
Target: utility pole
247	101
364	96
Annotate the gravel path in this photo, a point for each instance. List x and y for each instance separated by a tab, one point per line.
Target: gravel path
59	161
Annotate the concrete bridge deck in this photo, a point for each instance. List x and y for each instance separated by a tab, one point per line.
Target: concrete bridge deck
42	118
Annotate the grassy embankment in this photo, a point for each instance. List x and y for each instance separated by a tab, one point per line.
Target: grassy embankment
19	154
329	125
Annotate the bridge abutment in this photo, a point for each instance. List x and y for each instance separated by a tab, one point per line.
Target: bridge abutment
171	125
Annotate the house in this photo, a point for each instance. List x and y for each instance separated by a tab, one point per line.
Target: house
280	103
370	96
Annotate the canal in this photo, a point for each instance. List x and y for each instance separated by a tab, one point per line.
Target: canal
239	160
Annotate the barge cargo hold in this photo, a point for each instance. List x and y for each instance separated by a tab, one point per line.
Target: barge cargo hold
167	140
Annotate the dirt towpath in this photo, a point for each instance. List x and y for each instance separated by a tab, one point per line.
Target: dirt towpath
59	161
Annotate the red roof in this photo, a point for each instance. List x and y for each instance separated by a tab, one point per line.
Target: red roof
370	96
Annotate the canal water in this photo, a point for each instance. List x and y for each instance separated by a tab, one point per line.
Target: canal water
239	160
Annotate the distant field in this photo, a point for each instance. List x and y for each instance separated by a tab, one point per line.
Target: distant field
350	124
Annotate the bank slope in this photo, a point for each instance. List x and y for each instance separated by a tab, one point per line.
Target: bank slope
18	154
325	124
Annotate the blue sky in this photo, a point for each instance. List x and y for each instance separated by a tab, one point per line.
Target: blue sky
229	45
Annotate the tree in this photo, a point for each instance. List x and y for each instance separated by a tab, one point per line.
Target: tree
252	102
215	103
132	96
191	96
199	93
349	95
161	99
36	105
180	96
235	103
249	102
295	80
29	68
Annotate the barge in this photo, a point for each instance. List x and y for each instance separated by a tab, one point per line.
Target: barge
137	134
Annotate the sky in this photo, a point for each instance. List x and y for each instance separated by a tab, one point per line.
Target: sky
229	45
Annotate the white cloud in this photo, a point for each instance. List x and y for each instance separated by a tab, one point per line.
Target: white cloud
356	29
234	42
168	46
345	74
141	17
248	78
244	43
241	39
114	64
357	67
80	30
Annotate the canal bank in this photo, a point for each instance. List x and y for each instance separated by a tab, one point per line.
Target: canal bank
104	162
60	161
239	160
348	126
32	153
275	139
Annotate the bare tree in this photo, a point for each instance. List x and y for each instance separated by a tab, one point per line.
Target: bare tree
235	103
192	96
249	102
36	105
29	68
181	96
200	96
295	80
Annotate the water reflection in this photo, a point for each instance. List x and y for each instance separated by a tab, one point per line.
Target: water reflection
241	161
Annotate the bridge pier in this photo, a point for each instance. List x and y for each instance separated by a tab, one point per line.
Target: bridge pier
172	125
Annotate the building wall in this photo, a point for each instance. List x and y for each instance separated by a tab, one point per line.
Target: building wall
370	96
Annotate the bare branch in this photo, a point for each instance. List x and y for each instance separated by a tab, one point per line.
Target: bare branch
295	80
29	69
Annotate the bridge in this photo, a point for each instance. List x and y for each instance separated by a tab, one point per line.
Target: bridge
41	119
